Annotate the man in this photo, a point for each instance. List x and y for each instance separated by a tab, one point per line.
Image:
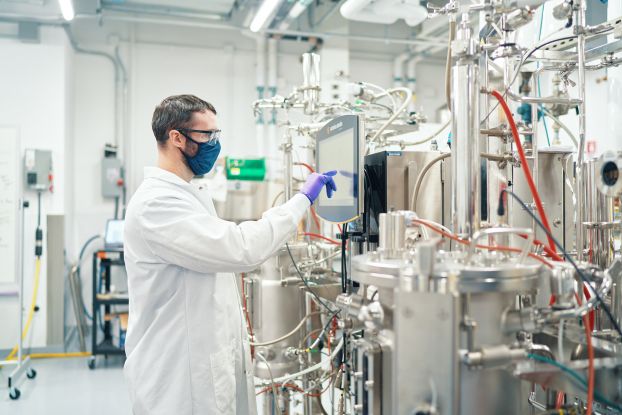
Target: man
187	349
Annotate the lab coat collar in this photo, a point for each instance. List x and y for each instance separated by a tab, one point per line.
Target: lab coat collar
201	195
167	176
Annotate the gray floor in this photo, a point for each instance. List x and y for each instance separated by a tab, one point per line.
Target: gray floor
68	386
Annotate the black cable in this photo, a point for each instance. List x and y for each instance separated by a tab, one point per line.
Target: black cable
38	231
304	281
548	42
39	209
574	264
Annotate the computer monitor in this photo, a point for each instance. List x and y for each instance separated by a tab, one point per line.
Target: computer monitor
339	146
113	238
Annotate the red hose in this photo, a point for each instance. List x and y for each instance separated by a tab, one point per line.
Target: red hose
316	220
488	247
318	236
553	255
586	292
525	166
308	166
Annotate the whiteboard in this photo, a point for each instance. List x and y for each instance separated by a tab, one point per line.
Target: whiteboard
9	206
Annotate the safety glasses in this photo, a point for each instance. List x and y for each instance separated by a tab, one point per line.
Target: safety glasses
210	137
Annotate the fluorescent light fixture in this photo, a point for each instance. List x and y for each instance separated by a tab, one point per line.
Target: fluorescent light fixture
66	8
297	9
266	11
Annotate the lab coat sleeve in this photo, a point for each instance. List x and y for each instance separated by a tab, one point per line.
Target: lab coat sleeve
179	235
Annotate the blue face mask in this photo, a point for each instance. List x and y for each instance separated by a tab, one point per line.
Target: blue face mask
205	158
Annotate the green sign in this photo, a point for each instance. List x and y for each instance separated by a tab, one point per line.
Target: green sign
245	169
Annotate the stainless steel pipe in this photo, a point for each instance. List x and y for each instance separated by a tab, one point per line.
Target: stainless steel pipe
466	170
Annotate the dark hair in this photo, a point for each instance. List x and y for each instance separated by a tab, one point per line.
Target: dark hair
176	112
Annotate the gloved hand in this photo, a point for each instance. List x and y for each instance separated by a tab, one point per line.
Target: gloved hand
315	182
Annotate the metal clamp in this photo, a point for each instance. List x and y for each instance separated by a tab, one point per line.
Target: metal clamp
497	231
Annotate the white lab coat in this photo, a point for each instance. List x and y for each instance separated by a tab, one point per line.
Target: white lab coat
187	349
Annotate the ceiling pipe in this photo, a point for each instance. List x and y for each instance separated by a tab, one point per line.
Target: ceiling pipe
120	77
178	12
384	11
362	38
411	76
273	145
398	69
324	35
123	17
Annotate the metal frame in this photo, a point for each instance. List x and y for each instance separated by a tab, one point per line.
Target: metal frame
22	364
104	347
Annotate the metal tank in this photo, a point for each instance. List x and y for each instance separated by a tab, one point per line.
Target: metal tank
429	316
275	306
277	301
555	186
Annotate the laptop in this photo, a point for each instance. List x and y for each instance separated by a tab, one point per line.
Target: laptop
113	238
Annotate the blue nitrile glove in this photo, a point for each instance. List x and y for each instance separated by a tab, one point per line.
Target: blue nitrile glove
315	182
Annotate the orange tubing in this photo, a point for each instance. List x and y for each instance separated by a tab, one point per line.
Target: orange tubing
548	251
318	236
488	247
308	166
316	219
525	166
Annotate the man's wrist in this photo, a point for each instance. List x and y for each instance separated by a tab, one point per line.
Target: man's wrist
307	196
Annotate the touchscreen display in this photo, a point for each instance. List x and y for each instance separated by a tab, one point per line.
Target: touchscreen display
336	153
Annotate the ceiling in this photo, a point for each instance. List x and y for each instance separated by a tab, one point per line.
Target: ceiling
219	23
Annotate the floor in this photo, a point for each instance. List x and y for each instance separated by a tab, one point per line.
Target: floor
68	386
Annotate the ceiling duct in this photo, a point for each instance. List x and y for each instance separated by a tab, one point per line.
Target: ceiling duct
384	11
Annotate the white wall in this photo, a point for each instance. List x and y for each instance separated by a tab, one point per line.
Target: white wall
35	99
227	80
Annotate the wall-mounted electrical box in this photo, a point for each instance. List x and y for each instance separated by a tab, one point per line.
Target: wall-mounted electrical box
38	169
112	180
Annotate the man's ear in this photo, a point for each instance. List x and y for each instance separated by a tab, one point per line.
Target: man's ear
176	139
